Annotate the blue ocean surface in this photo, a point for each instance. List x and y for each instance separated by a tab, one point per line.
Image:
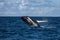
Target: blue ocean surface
14	28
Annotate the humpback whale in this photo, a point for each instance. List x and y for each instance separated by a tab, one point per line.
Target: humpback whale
31	21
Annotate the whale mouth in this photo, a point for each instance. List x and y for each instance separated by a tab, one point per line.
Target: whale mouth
30	21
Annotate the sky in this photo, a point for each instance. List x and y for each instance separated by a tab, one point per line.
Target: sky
30	8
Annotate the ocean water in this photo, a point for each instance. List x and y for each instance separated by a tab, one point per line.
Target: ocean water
13	28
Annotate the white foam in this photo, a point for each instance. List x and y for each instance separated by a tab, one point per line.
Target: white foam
47	27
